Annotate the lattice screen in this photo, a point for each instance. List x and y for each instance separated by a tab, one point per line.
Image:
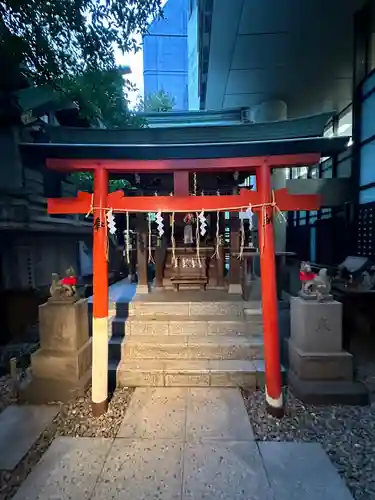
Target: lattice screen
366	230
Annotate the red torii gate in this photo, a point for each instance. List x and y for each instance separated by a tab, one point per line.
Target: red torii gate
101	201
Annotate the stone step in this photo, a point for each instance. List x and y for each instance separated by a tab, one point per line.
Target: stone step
238	309
189	373
186	325
185	347
224	308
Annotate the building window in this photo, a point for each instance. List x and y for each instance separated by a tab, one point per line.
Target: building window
367	195
368	120
294	172
328	131
326	169
299	173
344	165
303	172
326	213
367	159
345	122
314	172
313	216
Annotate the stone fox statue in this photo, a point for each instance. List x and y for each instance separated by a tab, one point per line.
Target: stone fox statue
313	284
65	287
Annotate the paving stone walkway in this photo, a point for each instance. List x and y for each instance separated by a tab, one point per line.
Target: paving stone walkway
20	427
181	443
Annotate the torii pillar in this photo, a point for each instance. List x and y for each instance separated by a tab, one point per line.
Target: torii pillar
273	389
100	296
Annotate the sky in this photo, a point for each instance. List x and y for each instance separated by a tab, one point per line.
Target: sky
135	61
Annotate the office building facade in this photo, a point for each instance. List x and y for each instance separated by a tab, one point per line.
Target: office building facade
165	54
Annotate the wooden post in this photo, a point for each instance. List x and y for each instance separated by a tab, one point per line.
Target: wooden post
274	397
100	296
142	254
133	252
159	262
234	262
221	261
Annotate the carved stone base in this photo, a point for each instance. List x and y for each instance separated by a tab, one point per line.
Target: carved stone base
320	366
58	376
320	372
43	391
61	368
62	365
328	392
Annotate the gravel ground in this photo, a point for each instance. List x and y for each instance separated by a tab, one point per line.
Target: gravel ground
74	419
347	434
7	395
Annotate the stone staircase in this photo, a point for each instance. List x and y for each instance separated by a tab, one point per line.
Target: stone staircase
217	344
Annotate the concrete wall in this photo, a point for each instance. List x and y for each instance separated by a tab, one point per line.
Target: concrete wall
165	54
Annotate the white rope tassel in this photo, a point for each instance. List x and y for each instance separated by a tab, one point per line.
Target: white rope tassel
250	214
150	259
127	239
197	237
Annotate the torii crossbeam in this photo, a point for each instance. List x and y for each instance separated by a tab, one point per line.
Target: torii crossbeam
118	202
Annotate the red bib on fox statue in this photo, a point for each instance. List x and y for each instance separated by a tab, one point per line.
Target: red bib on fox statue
69	280
306	275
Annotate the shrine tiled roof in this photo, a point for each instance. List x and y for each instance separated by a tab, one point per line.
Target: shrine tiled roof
298	146
297	136
307	127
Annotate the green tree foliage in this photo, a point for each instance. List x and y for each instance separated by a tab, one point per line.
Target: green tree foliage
71	44
159	102
55	39
84	182
102	98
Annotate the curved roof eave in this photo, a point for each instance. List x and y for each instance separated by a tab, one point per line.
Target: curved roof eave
306	127
245	149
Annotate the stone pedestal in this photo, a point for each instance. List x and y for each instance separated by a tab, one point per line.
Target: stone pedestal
320	372
61	368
